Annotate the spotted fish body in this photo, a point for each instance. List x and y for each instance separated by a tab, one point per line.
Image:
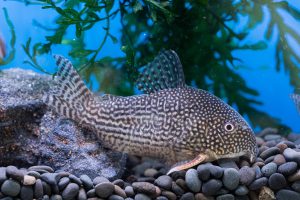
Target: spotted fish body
171	121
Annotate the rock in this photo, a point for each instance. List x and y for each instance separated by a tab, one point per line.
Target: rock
86	181
169	195
50	178
266	194
161	198
287	194
294	177
46	188
187	196
231	178
129	191
216	171
38	189
287	168
279	159
144	187
272	137
26	193
119	191
228	163
115	197
150	172
225	197
10	188
293	137
277	181
292	155
141	197
192	180
100	179
258	173
269	152
75	179
164	182
63	182
34	174
91	193
296	186
268	131
104	190
258	183
29	180
119	182
57	197
247	175
203	171
37	134
269	169
38	168
182	184
270	159
14	173
211	187
200	196
3	176
177	189
70	192
241	190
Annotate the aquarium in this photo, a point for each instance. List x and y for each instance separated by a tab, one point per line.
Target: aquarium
149	99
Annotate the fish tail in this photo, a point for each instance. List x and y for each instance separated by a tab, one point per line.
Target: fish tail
71	97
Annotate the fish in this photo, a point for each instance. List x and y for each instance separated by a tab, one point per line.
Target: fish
296	99
170	121
2	49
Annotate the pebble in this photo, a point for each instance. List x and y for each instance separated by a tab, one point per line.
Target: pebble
203	171
150	172
46	188
75	179
288	168
161	198
228	163
258	183
144	187
119	191
70	192
294	177
192	180
115	197
216	171
169	195
211	187
56	197
181	183
292	155
38	189
141	197
277	181
177	189
81	194
119	182
296	186
258	173
14	173
231	178
91	193
266	194
86	181
34	174
10	188
241	190
287	194
104	189
269	152
41	168
3	176
51	178
225	197
187	196
165	182
29	180
63	182
270	159
26	193
247	175
100	179
279	159
129	191
269	169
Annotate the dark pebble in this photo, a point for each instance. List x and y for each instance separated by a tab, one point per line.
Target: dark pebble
146	179
203	171
82	195
241	190
192	180
277	181
91	193
63	182
177	189
287	168
161	198
181	183
211	187
38	189
3	176
216	171
119	191
292	155
164	182
269	169
100	179
14	173
75	179
287	194
46	188
289	144
86	181
104	189
296	186
258	183
70	192
10	188
227	163
119	182
279	159
129	191
41	167
258	173
178	175
6	198
141	197
187	196
26	193
270	159
51	178
231	178
269	152
144	187
225	197
247	175
150	172
115	197
169	195
56	197
34	173
46	197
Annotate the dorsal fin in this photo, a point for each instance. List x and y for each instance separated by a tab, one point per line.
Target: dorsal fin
164	72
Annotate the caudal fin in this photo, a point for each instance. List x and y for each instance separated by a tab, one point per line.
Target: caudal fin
70	97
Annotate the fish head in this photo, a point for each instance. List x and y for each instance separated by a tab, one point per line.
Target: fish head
227	134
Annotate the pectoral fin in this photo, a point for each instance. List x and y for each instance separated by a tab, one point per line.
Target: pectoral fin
186	165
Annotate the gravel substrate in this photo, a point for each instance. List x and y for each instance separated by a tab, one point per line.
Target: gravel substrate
274	175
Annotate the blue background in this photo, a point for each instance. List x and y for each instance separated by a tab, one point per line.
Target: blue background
260	73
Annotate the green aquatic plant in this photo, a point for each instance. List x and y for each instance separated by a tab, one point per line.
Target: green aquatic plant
201	32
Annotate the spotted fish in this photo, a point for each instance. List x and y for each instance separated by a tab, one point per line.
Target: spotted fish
171	121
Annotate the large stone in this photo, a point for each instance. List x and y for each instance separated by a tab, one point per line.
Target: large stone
31	134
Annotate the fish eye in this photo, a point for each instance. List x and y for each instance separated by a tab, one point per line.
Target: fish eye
229	127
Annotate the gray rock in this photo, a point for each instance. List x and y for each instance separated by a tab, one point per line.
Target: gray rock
216	171
38	189
225	197
161	198
63	182
37	134
228	163
277	181
211	187
231	178
10	188
144	187
292	155
56	197
100	179
192	180
287	194
203	171
26	193
104	190
187	196
41	168
14	173
119	182
169	195
164	182
272	137
258	183
296	186
129	191
91	193
141	197
269	169
86	181
177	189
150	172
287	168
115	197
82	194
50	178
269	152
119	191
70	192
75	179
3	176
241	190
247	175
